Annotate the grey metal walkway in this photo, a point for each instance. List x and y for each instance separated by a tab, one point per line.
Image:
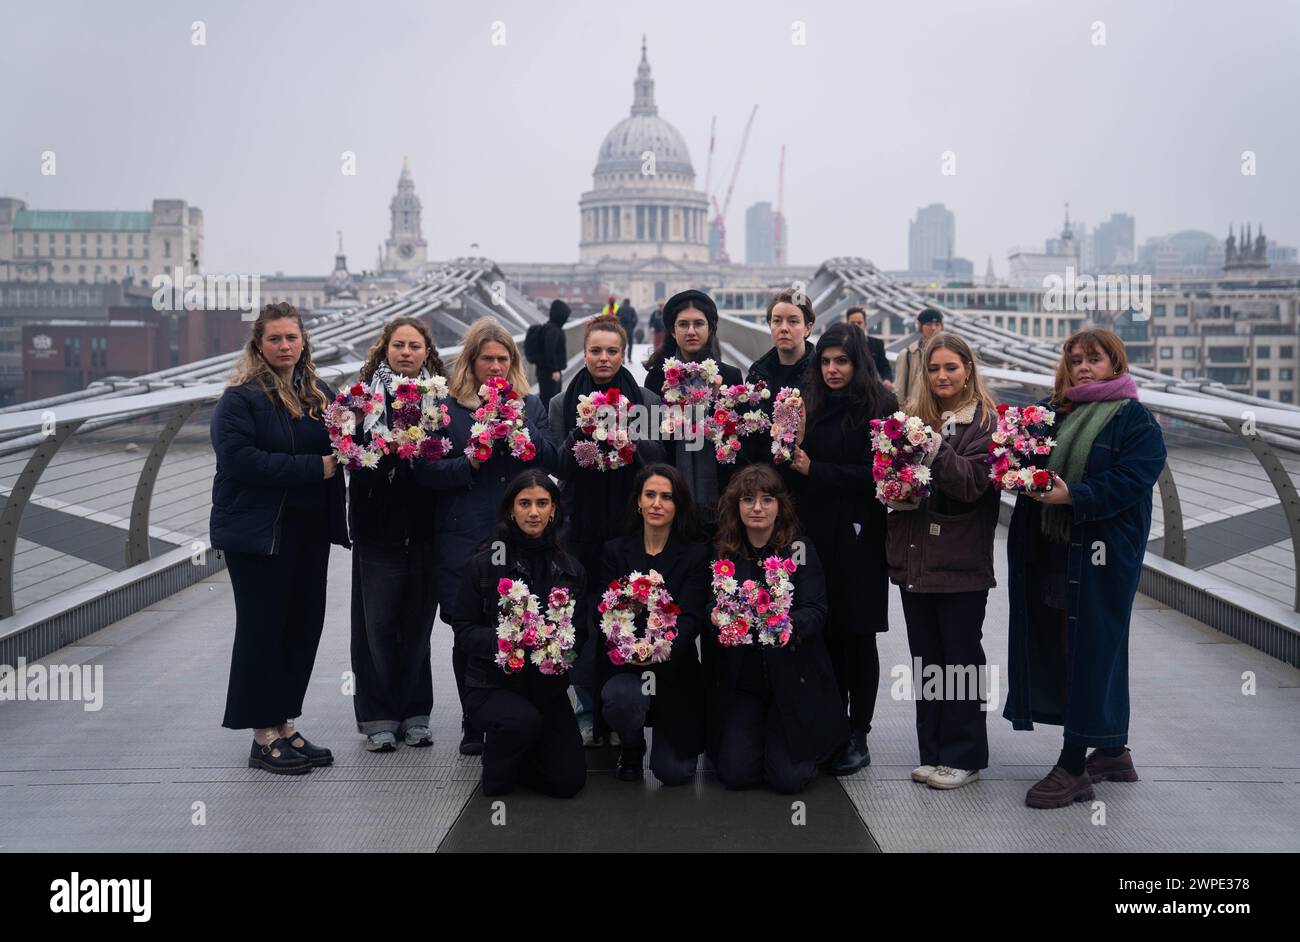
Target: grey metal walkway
1220	769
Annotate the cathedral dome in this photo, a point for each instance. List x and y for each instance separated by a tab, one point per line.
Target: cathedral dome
620	161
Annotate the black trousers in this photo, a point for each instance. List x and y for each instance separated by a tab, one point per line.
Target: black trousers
752	747
393	607
525	741
856	661
626	708
944	629
548	388
279	614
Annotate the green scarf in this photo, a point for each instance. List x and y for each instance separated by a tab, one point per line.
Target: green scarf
1070	456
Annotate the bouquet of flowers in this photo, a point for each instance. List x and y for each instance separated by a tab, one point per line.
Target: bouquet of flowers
728	423
523	634
625	599
500	419
749	609
419	413
355	422
687	387
1022	435
601	415
903	447
787	413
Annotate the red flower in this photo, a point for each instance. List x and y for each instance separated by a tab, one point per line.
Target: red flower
1002	408
1041	478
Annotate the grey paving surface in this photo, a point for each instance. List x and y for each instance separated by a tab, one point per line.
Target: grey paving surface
1221	770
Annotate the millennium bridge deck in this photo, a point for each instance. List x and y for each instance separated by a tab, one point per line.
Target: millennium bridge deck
1220	769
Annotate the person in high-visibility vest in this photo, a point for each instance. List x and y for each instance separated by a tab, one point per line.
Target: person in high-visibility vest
611	307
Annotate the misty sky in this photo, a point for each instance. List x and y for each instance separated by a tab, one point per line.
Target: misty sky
503	139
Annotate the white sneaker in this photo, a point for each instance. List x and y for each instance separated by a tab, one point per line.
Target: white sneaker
922	773
944	777
381	742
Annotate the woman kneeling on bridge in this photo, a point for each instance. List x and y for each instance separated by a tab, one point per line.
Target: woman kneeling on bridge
277	505
662	537
1074	557
516	688
774	707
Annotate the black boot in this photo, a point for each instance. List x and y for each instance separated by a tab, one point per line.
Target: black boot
853	756
629	763
471	742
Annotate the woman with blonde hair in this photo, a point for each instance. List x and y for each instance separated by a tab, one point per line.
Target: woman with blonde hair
277	505
940	553
470	490
1074	558
390	515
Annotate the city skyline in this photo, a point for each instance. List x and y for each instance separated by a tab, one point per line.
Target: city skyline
528	123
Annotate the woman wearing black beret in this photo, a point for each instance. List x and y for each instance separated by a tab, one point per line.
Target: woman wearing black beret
691	320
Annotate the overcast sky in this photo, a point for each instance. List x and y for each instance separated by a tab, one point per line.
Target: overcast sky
503	138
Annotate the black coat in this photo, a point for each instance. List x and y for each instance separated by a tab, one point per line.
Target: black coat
876	347
474	615
388	505
769	369
799	676
257	464
554	354
838	510
677	709
467	500
731	376
596	502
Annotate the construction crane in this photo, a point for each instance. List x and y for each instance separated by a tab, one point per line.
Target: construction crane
708	167
720	219
778	244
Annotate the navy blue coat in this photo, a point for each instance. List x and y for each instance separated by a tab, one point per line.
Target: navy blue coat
466	506
257	463
1112	510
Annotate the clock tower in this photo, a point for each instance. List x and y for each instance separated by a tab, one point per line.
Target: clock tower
405	248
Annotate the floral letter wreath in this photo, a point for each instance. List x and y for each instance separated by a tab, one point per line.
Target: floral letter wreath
747	609
627	597
1021	433
522	629
601	415
499	419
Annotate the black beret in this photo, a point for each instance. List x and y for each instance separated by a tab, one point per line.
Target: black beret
690	298
929	316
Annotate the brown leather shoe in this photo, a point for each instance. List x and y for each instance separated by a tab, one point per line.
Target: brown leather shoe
1104	768
1060	789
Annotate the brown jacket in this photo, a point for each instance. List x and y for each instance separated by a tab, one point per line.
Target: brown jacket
907	373
946	543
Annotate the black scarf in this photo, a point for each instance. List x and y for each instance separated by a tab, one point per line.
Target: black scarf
584	384
536	553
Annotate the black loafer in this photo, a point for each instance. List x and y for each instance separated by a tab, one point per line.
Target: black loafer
317	755
288	762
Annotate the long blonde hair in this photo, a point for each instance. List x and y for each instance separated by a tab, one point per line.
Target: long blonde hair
253	368
379	349
924	404
462	385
